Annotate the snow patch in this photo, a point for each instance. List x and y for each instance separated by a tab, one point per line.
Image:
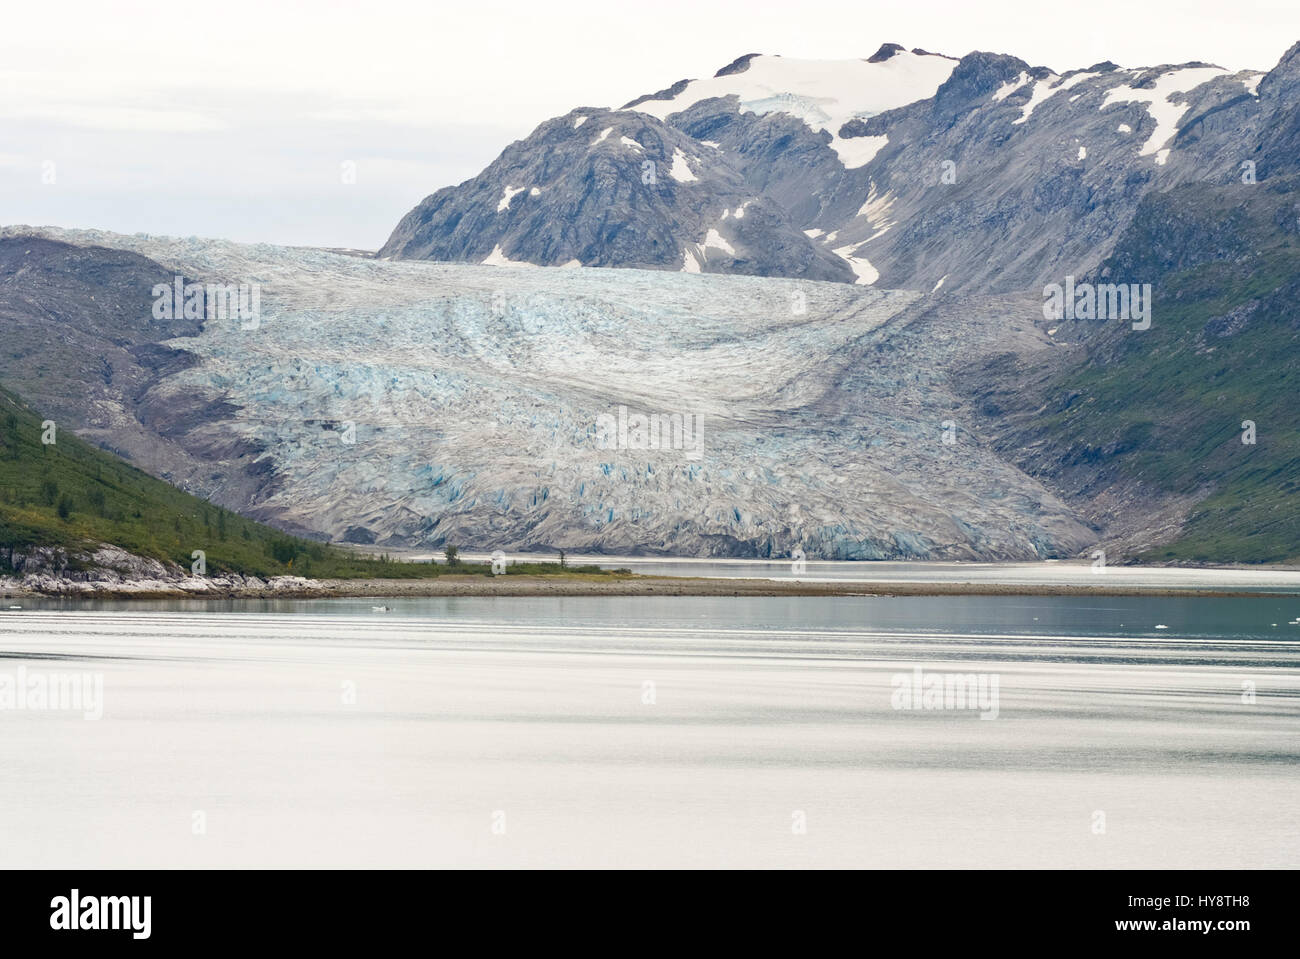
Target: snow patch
629	142
866	273
812	234
534	192
690	264
580	121
1010	87
603	134
1158	103
1083	153
1123	128
859	151
1042	91
876	210
940	283
498	258
507	196
823	94
717	241
681	170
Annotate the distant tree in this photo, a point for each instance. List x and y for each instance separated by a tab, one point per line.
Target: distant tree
561	559
11	436
453	555
65	507
284	550
49	492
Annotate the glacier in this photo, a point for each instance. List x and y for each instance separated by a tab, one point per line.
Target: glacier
413	403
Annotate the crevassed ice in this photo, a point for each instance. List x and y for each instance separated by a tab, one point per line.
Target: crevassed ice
475	393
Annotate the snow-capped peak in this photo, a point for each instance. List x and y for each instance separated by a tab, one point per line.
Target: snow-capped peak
825	94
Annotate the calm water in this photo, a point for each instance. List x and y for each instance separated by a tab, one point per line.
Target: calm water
1049	572
657	731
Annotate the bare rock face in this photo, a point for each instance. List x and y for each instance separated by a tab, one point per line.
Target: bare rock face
603	188
908	168
82	345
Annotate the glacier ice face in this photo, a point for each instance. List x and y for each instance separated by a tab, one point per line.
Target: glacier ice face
423	403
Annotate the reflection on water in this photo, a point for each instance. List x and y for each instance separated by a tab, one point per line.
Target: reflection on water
699	731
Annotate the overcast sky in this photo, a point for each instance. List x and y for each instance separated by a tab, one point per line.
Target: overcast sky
232	119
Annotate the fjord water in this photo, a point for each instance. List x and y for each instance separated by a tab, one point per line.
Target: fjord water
656	731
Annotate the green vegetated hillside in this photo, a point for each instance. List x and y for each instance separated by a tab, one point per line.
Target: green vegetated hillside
72	495
1166	406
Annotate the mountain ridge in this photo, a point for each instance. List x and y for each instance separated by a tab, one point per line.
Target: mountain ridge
927	170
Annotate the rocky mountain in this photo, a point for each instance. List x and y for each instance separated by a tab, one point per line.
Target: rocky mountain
1179	441
914	170
603	188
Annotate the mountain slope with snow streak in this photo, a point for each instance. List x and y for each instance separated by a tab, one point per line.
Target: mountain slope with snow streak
901	169
823	94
